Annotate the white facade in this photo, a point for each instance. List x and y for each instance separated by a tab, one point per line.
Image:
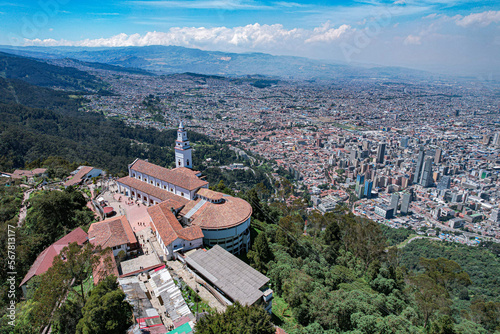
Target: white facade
179	191
178	245
183	153
234	239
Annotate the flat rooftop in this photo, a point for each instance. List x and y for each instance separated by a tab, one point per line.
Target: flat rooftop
139	263
233	277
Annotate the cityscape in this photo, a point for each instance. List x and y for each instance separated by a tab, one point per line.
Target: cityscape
250	167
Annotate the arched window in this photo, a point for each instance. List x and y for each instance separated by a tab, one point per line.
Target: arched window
187	162
179	162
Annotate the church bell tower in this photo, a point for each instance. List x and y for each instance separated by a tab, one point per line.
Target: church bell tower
182	149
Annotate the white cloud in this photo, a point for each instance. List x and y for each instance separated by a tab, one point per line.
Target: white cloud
412	40
203	4
249	37
327	34
482	19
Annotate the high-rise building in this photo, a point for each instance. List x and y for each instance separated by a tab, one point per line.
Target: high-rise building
418	168
495	215
486	139
368	189
496	139
405	203
380	153
438	156
426	177
404	142
359	182
394	202
444	183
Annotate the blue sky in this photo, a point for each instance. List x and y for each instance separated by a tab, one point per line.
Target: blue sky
440	35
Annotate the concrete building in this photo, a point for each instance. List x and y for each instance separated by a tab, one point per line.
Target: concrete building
426	179
405	203
444	183
394	202
232	278
380	153
384	211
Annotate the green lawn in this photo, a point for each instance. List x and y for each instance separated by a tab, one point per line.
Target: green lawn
88	285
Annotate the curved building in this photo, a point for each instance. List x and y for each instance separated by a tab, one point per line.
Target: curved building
224	220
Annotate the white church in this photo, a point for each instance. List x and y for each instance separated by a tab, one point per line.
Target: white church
184	213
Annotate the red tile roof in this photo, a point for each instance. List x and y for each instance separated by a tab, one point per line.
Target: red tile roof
78	176
112	232
182	176
150	189
20	173
44	261
210	194
167	225
231	212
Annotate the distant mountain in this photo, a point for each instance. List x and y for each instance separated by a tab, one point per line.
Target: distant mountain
176	59
46	75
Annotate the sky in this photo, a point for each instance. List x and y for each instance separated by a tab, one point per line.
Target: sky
454	36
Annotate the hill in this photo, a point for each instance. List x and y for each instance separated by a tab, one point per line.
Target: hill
46	75
176	59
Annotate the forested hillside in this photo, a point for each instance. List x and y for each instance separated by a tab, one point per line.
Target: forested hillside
343	278
46	75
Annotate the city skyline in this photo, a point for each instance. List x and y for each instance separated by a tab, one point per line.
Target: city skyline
442	36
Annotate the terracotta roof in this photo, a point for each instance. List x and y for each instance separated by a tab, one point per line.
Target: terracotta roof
167	225
20	173
280	331
44	261
181	176
78	176
150	189
210	194
231	212
112	232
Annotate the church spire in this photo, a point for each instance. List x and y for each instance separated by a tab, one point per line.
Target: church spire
182	149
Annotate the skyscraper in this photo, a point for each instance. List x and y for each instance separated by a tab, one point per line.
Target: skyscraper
438	156
380	153
394	202
444	183
368	189
418	168
426	178
496	139
405	203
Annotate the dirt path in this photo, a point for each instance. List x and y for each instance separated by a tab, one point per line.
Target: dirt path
24	209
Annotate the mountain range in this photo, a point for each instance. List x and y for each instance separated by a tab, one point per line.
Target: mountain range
176	59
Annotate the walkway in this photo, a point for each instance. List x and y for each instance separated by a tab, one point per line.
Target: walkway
188	277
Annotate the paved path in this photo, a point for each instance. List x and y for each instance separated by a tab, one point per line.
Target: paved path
416	238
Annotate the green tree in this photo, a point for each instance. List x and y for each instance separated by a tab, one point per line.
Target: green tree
106	310
261	254
237	319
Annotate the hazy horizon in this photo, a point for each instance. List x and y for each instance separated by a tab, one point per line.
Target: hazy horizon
443	36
